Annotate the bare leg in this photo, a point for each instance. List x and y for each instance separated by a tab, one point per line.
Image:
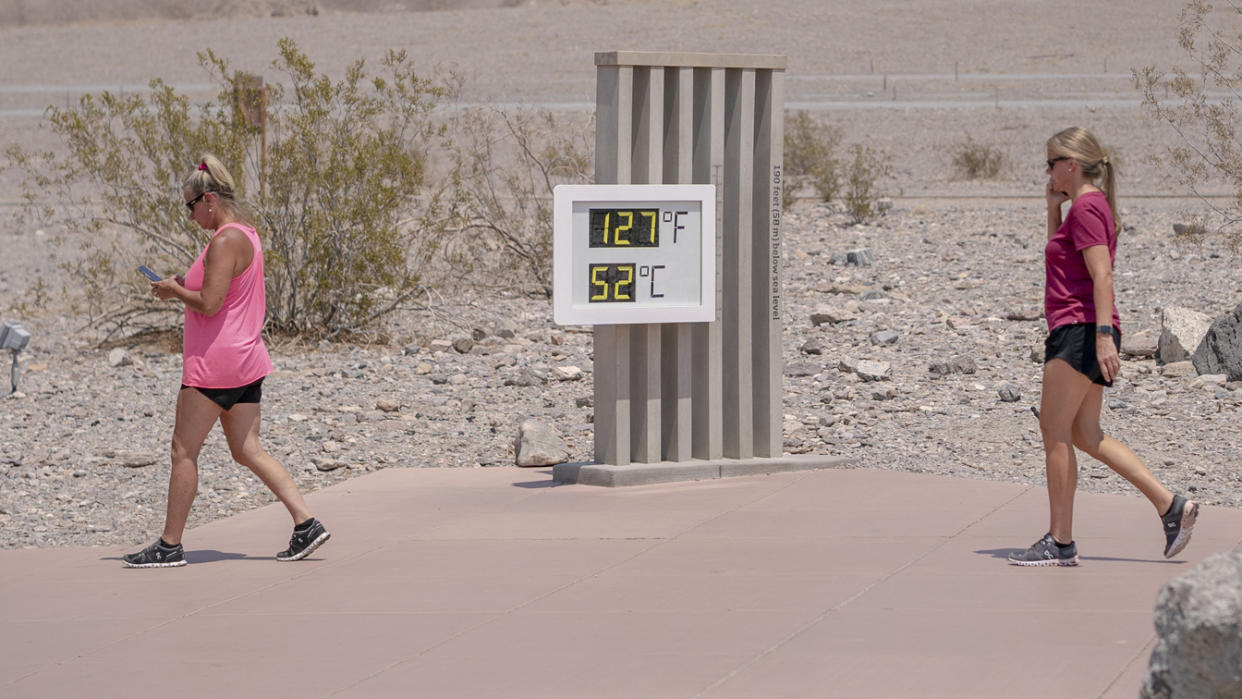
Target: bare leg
1061	399
241	428
1091	439
196	415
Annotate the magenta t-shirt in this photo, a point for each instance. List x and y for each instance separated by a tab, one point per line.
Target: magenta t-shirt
226	350
1069	293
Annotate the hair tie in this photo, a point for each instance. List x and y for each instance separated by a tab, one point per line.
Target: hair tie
1104	161
202	166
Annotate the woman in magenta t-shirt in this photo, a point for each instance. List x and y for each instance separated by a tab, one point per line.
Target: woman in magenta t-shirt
1081	352
224	363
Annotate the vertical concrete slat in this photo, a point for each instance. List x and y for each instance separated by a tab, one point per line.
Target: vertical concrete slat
613	99
708	163
768	362
679	125
645	425
675	392
647	168
737	237
676	360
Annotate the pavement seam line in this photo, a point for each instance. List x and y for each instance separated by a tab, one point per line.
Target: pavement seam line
500	615
800	475
840	605
1146	649
658	542
173	620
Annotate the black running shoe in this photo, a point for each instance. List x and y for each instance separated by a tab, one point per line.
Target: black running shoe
305	541
1046	552
1178	523
156	555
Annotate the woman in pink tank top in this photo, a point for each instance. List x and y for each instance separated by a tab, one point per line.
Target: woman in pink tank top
224	363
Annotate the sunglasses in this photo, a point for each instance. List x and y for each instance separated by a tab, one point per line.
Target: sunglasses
190	204
1052	162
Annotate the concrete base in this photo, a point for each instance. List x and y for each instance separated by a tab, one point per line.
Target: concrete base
693	470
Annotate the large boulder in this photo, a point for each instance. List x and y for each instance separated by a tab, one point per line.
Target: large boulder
1220	352
1180	334
539	444
1140	343
1198	651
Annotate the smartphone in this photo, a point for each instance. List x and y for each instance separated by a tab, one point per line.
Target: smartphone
150	275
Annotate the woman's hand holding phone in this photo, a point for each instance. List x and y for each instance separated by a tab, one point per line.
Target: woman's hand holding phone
165	288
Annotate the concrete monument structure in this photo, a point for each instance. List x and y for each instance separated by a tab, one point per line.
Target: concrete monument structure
688	401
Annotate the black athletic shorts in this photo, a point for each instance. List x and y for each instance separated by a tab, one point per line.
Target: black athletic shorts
228	397
1075	344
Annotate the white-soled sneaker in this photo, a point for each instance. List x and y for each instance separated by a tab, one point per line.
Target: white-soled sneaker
1046	552
156	555
305	541
1178	523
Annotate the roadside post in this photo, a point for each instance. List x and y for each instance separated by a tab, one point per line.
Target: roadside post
674	258
14	338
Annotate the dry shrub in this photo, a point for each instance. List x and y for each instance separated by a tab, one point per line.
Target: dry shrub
335	197
1202	108
810	158
977	161
505	166
867	167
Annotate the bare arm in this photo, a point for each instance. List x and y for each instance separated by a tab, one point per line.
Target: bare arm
1100	266
228	255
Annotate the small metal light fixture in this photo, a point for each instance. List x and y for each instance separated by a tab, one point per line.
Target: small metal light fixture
13	337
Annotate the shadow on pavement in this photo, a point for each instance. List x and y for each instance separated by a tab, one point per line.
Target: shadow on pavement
998	553
548	483
212	556
206	556
1131	560
1004	554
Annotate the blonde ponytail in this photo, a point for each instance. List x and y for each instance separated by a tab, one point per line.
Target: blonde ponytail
1109	186
212	176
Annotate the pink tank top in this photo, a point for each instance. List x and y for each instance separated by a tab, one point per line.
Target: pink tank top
226	350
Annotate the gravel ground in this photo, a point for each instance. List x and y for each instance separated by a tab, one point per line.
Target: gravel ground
83	444
956	272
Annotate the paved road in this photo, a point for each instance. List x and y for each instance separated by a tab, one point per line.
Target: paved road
492	582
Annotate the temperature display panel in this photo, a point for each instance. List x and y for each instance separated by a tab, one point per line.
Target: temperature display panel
634	254
622	228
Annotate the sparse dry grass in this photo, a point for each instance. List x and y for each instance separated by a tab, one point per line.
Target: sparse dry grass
978	161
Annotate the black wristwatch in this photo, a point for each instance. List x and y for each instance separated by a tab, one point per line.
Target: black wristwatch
1104	329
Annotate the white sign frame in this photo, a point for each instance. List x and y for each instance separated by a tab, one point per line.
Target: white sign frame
570	247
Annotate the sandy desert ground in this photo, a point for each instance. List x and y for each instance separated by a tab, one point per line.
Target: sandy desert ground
913	81
952	257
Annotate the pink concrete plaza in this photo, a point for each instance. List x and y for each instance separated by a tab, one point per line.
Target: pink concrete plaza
495	583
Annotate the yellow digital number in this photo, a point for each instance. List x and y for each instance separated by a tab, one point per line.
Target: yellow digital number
628	283
652	216
601	287
629	224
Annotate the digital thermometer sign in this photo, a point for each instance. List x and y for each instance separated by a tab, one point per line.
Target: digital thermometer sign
643	253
